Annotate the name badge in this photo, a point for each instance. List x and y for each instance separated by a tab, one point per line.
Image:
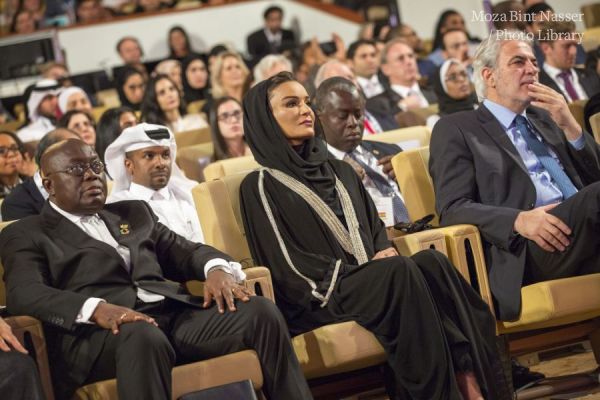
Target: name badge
385	209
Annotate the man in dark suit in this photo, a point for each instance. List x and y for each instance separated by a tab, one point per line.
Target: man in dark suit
522	171
402	92
104	280
271	39
341	109
558	42
28	197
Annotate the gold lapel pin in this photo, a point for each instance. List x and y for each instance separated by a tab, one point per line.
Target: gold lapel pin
124	229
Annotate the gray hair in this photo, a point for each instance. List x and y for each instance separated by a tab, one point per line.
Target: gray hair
266	63
486	55
322	73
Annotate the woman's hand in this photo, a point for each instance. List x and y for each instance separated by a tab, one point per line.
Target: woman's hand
389	252
8	339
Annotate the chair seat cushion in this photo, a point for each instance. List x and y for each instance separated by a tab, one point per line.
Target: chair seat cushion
337	348
192	377
557	302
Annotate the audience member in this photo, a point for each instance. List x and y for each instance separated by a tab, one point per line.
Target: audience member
23	22
88	11
449	19
364	60
341	109
99	319
270	65
5	116
194	78
149	5
81	123
226	129
403	31
375	122
35	7
74	98
558	71
28	197
110	126
11	158
453	90
521	170
131	54
171	68
163	105
179	44
509	15
143	168
131	87
42	109
57	71
214	52
20	379
455	44
331	261
271	39
228	75
398	63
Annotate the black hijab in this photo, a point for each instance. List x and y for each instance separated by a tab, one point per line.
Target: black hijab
307	163
189	93
122	77
448	105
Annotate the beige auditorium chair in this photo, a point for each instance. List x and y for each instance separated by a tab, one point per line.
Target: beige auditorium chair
576	109
186	378
595	123
195	107
219	169
407	138
193	137
193	159
338	359
554	313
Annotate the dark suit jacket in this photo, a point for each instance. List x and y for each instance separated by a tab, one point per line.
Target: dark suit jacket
589	81
259	46
52	267
480	179
24	200
387	102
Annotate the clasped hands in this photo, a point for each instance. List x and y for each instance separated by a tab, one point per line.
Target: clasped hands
219	286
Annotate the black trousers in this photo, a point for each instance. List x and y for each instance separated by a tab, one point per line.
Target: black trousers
141	355
19	379
581	213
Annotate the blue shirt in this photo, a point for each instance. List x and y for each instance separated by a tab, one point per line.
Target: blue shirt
547	192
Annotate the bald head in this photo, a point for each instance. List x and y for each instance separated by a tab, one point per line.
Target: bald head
73	177
332	69
50	138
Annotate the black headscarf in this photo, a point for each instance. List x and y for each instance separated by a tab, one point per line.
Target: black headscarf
121	79
189	93
448	105
307	163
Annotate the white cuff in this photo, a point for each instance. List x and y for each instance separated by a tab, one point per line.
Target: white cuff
87	309
233	268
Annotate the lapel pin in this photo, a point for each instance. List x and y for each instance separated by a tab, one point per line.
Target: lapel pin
124	229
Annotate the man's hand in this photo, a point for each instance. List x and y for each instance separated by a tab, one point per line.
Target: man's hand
410	102
554	102
110	316
548	231
386	162
220	286
389	252
7	338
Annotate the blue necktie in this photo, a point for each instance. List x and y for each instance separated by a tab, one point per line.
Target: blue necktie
384	187
539	149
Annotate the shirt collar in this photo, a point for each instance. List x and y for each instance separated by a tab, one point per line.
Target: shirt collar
145	193
338	154
74	218
374	79
272	37
37	178
404	90
554	72
505	116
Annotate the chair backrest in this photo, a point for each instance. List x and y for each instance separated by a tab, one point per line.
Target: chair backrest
2	288
195	107
591	17
595	123
193	159
190	138
108	98
218	207
230	166
407	138
11	126
576	109
412	173
97	112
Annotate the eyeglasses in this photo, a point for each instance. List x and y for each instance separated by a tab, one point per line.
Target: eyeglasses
96	166
233	116
5	150
457	76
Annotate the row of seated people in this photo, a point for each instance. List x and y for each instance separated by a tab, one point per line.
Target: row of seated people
285	131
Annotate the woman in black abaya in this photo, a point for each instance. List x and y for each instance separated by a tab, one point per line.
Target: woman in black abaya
310	220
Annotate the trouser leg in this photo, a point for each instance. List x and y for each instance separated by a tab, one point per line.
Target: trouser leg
19	379
258	325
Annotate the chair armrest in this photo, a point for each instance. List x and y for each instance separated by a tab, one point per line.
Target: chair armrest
466	253
30	333
258	279
408	245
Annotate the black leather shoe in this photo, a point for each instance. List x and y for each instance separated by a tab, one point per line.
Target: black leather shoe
522	375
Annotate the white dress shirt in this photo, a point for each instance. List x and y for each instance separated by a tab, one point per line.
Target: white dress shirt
35	131
370	86
175	212
406	91
274	38
37	178
553	73
189	122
